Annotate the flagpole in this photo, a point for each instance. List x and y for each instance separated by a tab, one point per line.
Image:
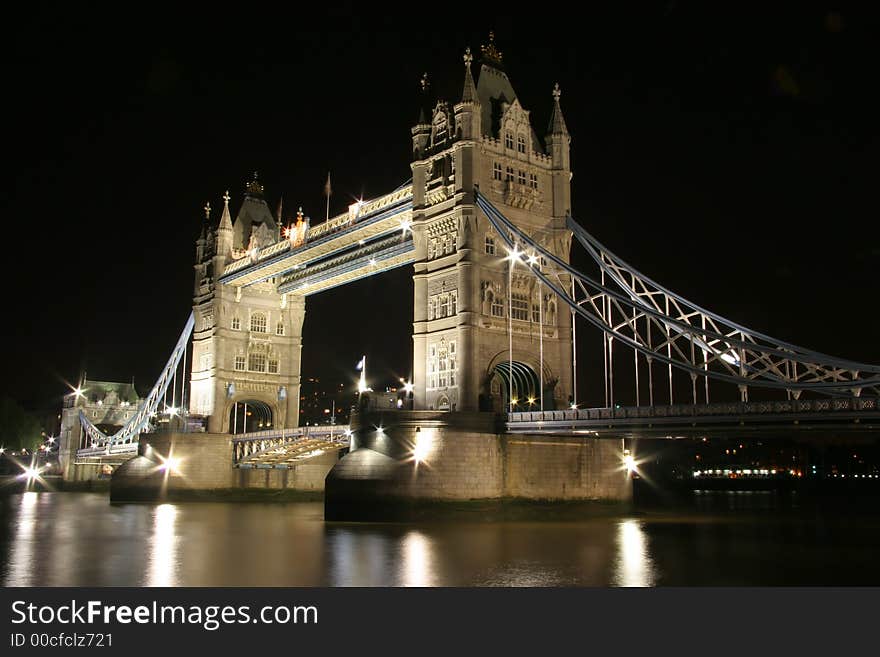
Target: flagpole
327	191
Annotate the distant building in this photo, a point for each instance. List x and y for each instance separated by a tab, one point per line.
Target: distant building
108	404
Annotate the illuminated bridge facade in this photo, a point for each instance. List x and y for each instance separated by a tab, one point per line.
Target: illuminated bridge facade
486	223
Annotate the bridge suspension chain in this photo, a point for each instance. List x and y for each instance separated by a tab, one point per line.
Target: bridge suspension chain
632	309
141	419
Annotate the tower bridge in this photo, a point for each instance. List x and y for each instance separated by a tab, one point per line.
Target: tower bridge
487	224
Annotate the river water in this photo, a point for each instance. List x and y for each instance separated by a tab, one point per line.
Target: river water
718	538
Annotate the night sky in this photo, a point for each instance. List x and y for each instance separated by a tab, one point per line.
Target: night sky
730	156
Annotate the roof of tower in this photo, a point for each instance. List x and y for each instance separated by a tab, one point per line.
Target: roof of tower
254	209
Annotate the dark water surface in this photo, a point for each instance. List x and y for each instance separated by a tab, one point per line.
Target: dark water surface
718	538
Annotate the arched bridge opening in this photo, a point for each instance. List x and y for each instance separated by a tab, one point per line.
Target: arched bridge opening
248	415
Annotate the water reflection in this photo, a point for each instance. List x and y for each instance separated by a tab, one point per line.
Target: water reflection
634	565
162	564
71	539
22	563
417	560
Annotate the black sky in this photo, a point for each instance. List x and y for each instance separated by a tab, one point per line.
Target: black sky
731	155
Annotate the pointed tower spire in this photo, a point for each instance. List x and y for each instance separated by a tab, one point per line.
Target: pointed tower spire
557	122
203	232
424	99
226	219
469	94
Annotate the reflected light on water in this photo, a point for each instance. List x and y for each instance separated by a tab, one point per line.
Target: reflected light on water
418	560
21	559
162	565
634	566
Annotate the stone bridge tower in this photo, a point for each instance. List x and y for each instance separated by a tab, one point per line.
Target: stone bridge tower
463	303
246	341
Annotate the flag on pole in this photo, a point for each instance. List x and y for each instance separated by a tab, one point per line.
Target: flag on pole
361	363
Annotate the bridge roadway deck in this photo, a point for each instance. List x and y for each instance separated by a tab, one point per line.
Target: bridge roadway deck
860	415
340	236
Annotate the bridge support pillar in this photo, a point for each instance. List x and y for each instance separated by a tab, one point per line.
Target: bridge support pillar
420	460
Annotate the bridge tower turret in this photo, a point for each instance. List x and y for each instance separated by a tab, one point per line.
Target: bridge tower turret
465	299
246	342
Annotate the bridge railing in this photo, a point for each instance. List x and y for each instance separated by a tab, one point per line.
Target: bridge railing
111	450
249	444
793	406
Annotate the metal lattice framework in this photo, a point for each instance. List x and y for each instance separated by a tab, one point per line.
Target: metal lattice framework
139	421
630	308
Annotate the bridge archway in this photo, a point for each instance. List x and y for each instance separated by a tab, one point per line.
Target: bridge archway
525	385
246	415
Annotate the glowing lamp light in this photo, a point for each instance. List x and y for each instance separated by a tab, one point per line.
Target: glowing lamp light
423	444
531	400
171	464
2	450
514	255
629	461
407	386
79	392
573	406
533	259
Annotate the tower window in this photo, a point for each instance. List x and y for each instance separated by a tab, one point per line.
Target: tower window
496	171
273	366
521	178
508	140
257	362
509	176
519	307
521	144
497	307
490	245
533	180
279	328
236	324
239	363
258	323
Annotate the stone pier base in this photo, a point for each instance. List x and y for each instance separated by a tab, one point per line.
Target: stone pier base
202	466
405	459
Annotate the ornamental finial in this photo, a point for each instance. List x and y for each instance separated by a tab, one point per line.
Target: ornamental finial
490	53
425	82
207	209
468	58
556	92
254	187
226	197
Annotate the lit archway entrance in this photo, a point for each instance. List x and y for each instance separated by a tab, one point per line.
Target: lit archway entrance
248	415
525	385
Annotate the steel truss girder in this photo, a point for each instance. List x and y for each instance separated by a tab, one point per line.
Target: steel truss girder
139	421
636	311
